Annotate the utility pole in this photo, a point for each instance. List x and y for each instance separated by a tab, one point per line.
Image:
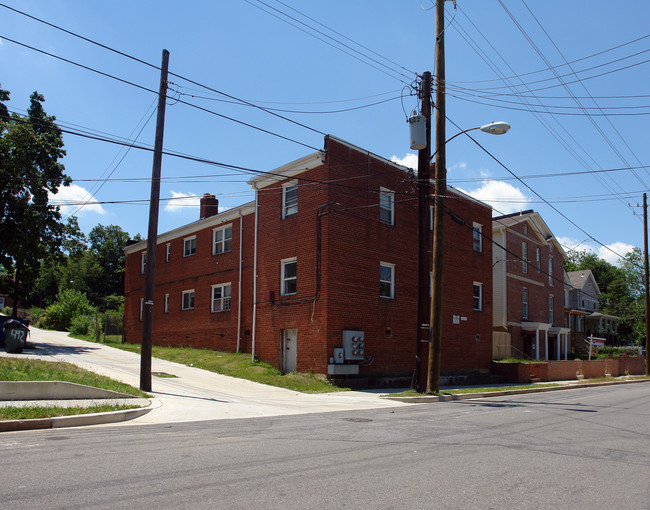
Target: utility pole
152	236
433	374
424	257
645	282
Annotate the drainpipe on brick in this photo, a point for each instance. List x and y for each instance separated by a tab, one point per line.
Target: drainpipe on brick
255	275
241	256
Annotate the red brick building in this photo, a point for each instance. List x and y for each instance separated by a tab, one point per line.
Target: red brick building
528	305
329	250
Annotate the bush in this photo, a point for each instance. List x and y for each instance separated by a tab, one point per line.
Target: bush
69	304
607	351
6	310
82	325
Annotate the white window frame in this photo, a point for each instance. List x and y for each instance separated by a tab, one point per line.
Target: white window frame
143	262
289	207
221	303
187	293
524	302
550	310
192	250
538	259
166	303
550	271
225	244
385	193
284	279
168	253
479	297
524	257
390	281
477	237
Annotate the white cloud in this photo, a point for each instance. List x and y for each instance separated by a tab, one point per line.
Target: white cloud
503	197
182	201
609	251
461	165
409	161
77	200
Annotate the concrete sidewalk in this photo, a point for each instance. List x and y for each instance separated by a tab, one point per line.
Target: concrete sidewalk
194	394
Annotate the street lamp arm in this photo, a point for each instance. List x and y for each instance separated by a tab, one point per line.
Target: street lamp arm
493	128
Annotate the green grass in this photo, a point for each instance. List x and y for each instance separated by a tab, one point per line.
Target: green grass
17	369
30	413
235	365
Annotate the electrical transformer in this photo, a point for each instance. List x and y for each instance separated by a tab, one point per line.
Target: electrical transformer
353	345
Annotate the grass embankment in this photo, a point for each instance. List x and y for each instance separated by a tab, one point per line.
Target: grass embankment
235	365
16	369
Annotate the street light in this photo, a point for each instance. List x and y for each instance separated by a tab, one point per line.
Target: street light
493	128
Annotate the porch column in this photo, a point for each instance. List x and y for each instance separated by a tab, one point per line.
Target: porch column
558	339
537	344
545	345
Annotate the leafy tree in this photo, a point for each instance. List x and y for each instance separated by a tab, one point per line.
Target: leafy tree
31	229
107	246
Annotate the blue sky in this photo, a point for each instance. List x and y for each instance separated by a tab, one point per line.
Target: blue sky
587	117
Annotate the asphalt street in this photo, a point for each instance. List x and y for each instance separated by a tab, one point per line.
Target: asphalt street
585	448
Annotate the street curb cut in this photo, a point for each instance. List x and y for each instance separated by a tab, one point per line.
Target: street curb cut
466	396
75	420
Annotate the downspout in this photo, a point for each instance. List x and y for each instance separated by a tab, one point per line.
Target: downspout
255	275
241	257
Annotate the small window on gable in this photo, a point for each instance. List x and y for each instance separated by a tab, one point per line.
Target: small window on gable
222	240
477	296
143	262
189	246
221	297
538	259
477	237
168	253
550	271
387	206
289	199
386	280
188	300
289	276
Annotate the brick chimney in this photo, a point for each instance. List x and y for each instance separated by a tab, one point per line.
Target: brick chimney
209	206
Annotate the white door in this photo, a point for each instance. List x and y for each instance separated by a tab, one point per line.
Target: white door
289	350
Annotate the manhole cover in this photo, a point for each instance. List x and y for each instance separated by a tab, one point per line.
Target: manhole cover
357	420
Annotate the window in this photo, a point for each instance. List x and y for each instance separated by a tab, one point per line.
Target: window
524	302
141	308
189	246
289	276
166	303
524	257
289	199
550	309
188	300
387	280
221	297
538	259
222	240
477	296
386	206
143	262
168	253
477	235
550	272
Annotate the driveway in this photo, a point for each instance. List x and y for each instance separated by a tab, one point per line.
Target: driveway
194	394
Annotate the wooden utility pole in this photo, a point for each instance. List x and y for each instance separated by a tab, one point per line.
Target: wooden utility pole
424	245
152	236
645	282
433	379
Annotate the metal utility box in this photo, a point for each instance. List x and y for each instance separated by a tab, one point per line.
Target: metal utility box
353	345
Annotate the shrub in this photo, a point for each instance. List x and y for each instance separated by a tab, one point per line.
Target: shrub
82	325
6	310
69	304
607	351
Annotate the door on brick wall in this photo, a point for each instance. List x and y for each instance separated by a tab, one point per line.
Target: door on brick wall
289	350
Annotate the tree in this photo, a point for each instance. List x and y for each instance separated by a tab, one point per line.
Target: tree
31	228
107	245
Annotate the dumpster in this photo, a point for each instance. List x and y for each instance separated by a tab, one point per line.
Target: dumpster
15	333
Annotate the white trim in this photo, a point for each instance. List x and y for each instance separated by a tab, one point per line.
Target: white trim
477	227
166	308
285	187
391	281
284	279
143	262
225	305
391	195
188	291
289	170
480	296
185	241
223	239
168	252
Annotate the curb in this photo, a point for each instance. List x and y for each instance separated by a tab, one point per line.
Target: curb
467	396
77	420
